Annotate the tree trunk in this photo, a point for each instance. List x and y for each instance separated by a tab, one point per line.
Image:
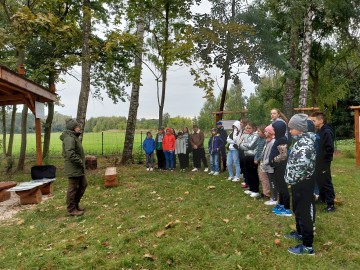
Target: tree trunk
49	119
288	102
315	91
24	115
22	154
165	63
9	156
134	101
86	65
304	79
3	113
226	67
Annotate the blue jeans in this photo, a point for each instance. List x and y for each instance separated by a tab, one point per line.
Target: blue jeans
214	162
169	157
233	157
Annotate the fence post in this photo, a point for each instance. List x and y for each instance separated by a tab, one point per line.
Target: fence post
102	143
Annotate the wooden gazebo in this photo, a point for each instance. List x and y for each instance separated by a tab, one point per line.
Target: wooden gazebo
17	90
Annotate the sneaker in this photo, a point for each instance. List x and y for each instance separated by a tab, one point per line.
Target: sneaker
194	170
212	172
316	197
244	185
255	194
277	208
206	170
329	208
151	169
230	178
247	192
148	169
236	179
271	202
284	213
293	235
301	250
216	173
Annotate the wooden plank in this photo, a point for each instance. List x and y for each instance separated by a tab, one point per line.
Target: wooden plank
11	97
38	141
25	84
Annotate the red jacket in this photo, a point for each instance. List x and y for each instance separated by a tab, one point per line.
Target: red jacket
168	143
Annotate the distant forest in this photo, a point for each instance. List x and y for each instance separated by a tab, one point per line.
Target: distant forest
98	124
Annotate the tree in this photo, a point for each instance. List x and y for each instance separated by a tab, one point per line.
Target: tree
134	101
222	41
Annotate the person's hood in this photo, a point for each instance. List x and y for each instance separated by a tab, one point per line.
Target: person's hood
67	133
279	128
310	135
170	130
237	124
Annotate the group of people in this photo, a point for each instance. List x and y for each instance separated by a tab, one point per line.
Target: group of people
296	153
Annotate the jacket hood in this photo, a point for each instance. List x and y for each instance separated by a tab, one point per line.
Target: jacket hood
67	133
170	130
279	128
237	124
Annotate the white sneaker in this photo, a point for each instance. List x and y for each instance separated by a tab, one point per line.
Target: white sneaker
230	178
148	169
271	202
212	172
216	173
254	194
247	192
151	169
206	170
194	170
236	179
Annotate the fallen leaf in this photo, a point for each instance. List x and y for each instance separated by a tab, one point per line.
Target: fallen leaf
172	224
149	256
180	199
21	221
186	192
160	233
211	187
169	262
226	220
248	217
277	242
105	244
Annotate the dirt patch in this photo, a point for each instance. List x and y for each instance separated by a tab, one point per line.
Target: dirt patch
11	207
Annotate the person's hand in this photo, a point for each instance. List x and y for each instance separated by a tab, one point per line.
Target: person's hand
236	146
195	147
255	162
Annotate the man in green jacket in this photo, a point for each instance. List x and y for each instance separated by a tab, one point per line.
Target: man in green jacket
74	167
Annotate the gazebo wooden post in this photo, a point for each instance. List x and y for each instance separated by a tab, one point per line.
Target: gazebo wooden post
357	133
38	141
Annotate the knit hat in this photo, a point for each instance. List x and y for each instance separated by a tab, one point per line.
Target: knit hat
269	129
71	124
219	123
299	122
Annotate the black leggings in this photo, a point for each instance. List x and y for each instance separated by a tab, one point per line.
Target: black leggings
281	186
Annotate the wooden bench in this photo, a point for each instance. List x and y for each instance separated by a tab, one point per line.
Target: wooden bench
4	194
111	177
29	192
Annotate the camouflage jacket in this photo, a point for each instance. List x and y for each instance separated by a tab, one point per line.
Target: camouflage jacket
301	161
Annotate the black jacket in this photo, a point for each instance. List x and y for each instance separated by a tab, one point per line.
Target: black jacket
326	146
223	134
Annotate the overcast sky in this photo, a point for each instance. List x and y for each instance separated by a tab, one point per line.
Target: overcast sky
182	97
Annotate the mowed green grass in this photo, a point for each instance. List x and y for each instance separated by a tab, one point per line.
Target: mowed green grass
214	225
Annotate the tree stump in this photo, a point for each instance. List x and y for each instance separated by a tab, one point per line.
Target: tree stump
90	162
111	177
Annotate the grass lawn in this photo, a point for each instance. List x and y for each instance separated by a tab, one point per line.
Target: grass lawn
212	228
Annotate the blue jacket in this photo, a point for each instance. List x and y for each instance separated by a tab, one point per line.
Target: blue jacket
149	145
215	143
301	161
